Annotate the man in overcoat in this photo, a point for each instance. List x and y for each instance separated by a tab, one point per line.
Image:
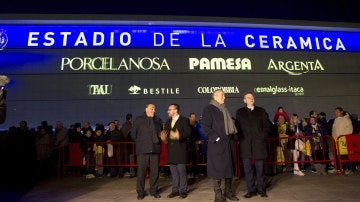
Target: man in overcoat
253	125
219	127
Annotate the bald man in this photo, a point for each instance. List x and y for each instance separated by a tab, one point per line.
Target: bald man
218	126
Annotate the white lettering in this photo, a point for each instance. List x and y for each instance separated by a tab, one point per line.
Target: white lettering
33	38
156	38
203	41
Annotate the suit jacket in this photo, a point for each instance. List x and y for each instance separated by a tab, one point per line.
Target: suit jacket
177	153
143	133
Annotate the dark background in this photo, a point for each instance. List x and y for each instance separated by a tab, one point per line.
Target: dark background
334	10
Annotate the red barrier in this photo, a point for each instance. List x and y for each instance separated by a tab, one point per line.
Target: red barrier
348	149
124	153
273	143
353	147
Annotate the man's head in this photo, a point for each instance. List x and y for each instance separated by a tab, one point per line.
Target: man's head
313	113
59	125
112	126
128	117
219	96
86	124
249	99
192	118
339	112
173	110
150	110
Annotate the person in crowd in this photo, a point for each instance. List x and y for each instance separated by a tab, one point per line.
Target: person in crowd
355	122
99	150
176	133
116	136
322	120
86	127
117	124
146	134
126	130
342	123
253	127
342	126
316	131
61	142
61	135
218	126
126	127
192	145
295	144
201	146
88	153
281	111
43	143
313	113
282	131
76	134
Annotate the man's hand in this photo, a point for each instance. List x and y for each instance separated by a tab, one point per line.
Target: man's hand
174	135
164	136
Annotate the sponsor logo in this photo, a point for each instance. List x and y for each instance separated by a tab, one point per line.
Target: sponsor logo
100	89
295	67
274	90
226	89
137	90
3	39
114	64
219	63
134	90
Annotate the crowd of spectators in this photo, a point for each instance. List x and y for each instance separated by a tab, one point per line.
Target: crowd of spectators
35	151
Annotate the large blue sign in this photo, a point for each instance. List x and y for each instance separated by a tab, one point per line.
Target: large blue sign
102	34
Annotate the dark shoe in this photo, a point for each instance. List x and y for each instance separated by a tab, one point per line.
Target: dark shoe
182	195
250	194
263	194
156	195
140	196
173	194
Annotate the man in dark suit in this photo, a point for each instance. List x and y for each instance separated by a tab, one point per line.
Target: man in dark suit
177	130
253	126
218	126
146	134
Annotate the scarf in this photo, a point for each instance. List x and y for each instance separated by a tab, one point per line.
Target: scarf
229	124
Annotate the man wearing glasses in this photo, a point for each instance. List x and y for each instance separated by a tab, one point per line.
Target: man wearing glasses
177	131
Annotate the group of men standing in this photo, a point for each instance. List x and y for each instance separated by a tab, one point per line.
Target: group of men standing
251	124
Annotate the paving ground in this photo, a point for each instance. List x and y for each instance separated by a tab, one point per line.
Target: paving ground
282	187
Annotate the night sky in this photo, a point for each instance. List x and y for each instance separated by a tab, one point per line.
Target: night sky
334	10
